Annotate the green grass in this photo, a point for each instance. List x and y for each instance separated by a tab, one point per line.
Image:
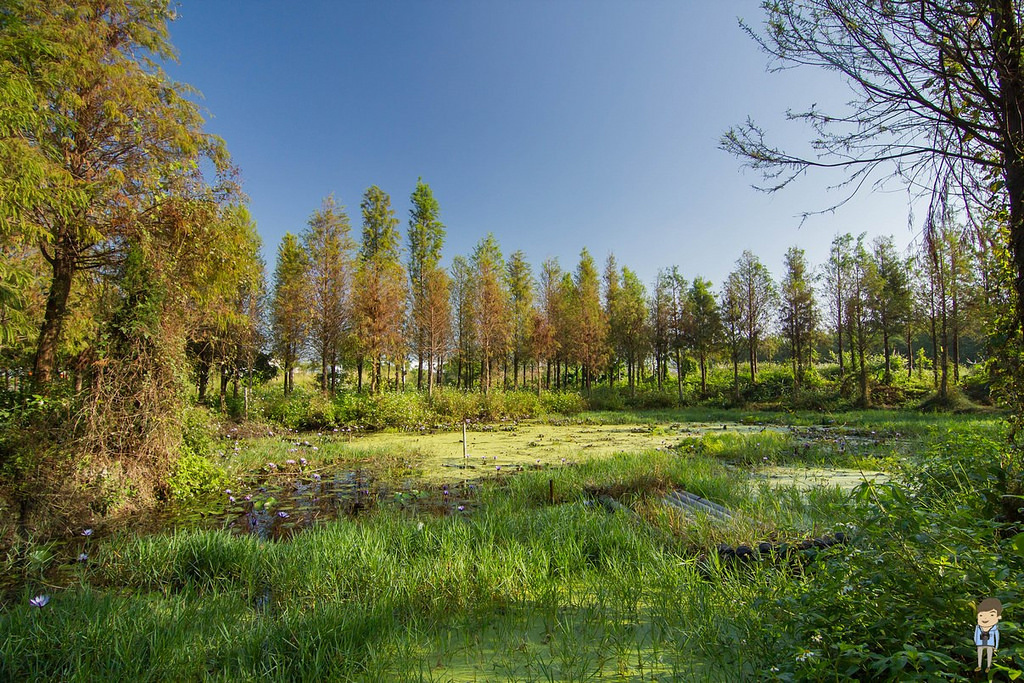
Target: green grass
520	587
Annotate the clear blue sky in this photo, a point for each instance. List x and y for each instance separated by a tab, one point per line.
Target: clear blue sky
555	125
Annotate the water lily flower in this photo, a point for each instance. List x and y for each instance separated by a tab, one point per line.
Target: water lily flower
316	477
39	601
248	496
82	557
315	448
282	514
85	532
289	462
231	499
302	461
272	466
227	491
461	508
497	468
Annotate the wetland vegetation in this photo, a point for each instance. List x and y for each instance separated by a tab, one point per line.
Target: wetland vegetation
372	467
382	557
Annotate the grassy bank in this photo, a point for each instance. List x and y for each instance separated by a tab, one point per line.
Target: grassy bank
523	586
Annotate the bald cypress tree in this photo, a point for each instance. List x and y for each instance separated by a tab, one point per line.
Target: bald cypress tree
380	293
426	237
289	314
329	251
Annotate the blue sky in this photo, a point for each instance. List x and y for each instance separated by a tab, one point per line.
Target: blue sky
555	125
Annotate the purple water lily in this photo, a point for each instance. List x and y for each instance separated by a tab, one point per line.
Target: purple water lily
316	477
289	462
283	515
83	557
227	491
87	532
231	499
461	508
39	601
302	461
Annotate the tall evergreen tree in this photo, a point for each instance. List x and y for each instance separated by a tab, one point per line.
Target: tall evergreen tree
329	250
290	309
380	292
426	237
703	326
837	281
591	334
634	328
753	282
731	306
492	307
520	288
463	306
799	312
613	314
551	308
890	299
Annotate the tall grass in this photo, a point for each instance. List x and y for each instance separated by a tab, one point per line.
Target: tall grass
523	587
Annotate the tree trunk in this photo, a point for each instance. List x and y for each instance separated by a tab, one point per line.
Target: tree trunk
1007	44
839	324
703	375
223	386
910	353
323	372
736	375
53	321
203	370
679	375
886	351
752	348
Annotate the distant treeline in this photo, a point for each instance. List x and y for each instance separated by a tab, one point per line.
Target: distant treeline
394	318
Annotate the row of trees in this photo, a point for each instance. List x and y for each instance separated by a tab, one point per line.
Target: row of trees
488	320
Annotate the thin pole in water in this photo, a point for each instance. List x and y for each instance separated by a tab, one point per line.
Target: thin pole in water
465	450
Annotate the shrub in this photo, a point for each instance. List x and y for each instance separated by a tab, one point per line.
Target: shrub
564	402
320	413
193	473
606	398
454	405
398	410
652	399
289	410
520	405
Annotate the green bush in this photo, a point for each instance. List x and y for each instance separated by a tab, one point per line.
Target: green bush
193	473
321	413
652	399
520	405
402	410
563	402
454	405
606	398
289	410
